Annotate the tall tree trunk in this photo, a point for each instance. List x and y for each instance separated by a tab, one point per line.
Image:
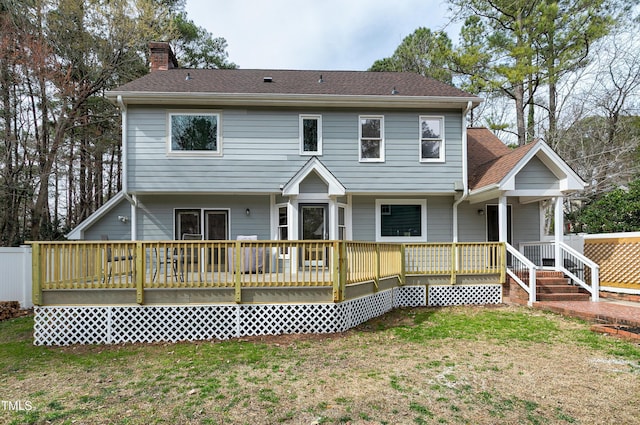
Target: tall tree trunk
520	122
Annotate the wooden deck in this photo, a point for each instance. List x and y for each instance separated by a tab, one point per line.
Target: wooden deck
142	272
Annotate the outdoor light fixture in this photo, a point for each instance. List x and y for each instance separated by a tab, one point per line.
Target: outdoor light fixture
481	211
247	212
123	218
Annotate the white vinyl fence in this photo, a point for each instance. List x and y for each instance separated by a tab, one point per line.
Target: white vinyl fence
15	275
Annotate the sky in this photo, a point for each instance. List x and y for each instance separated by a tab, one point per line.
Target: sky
316	34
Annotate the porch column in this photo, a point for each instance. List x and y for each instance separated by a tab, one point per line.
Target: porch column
558	228
502	219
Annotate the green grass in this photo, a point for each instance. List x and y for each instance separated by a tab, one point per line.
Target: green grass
191	380
492	324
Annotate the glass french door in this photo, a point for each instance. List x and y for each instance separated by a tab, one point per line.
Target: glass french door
314	227
216	228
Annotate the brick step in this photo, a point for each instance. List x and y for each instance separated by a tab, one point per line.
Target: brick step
558	289
552	280
563	297
548	273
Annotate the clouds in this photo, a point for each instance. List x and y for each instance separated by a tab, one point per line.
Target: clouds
319	34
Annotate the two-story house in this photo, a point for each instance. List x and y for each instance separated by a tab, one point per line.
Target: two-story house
280	154
382	160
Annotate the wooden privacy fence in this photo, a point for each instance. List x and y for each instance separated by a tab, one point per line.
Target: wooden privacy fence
142	265
618	258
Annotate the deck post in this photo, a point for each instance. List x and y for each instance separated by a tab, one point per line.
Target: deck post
454	262
403	264
376	280
339	271
237	277
36	274
139	273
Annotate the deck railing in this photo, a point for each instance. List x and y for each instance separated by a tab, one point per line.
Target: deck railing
142	265
561	257
466	258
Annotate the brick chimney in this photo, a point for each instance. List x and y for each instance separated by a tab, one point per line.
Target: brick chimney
162	57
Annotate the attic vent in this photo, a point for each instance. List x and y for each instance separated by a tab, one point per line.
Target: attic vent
320	80
394	91
268	79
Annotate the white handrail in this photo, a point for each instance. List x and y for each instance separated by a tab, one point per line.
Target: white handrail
531	268
594	288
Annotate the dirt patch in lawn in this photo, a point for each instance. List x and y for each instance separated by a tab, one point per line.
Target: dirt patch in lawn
397	369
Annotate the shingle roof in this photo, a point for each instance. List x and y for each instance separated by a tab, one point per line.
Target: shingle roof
252	81
489	159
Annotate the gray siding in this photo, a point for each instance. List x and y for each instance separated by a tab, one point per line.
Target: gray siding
536	175
313	184
439	217
525	225
261	152
111	226
156	214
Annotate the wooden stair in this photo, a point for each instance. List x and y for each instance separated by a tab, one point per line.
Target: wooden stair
554	286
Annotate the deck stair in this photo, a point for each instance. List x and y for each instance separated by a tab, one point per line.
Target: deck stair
554	286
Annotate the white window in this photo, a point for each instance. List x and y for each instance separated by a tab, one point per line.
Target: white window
431	139
342	223
283	229
371	136
194	133
310	135
401	220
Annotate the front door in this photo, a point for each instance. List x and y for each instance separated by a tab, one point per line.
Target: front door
314	226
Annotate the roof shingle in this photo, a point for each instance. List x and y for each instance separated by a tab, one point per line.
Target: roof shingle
251	81
489	159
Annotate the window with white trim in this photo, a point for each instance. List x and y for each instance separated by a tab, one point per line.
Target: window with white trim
283	229
431	139
371	138
400	220
194	132
310	135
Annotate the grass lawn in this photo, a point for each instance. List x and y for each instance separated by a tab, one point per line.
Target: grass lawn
460	365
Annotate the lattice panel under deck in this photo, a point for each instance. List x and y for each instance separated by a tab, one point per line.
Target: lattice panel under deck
276	319
409	296
173	323
362	309
445	295
71	325
118	324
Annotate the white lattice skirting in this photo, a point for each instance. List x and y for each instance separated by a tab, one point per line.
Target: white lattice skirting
63	325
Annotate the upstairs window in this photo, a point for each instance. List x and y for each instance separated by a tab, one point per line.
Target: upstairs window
310	135
371	136
431	139
194	132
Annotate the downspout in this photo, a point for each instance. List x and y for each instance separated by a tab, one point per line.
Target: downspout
132	201
465	172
